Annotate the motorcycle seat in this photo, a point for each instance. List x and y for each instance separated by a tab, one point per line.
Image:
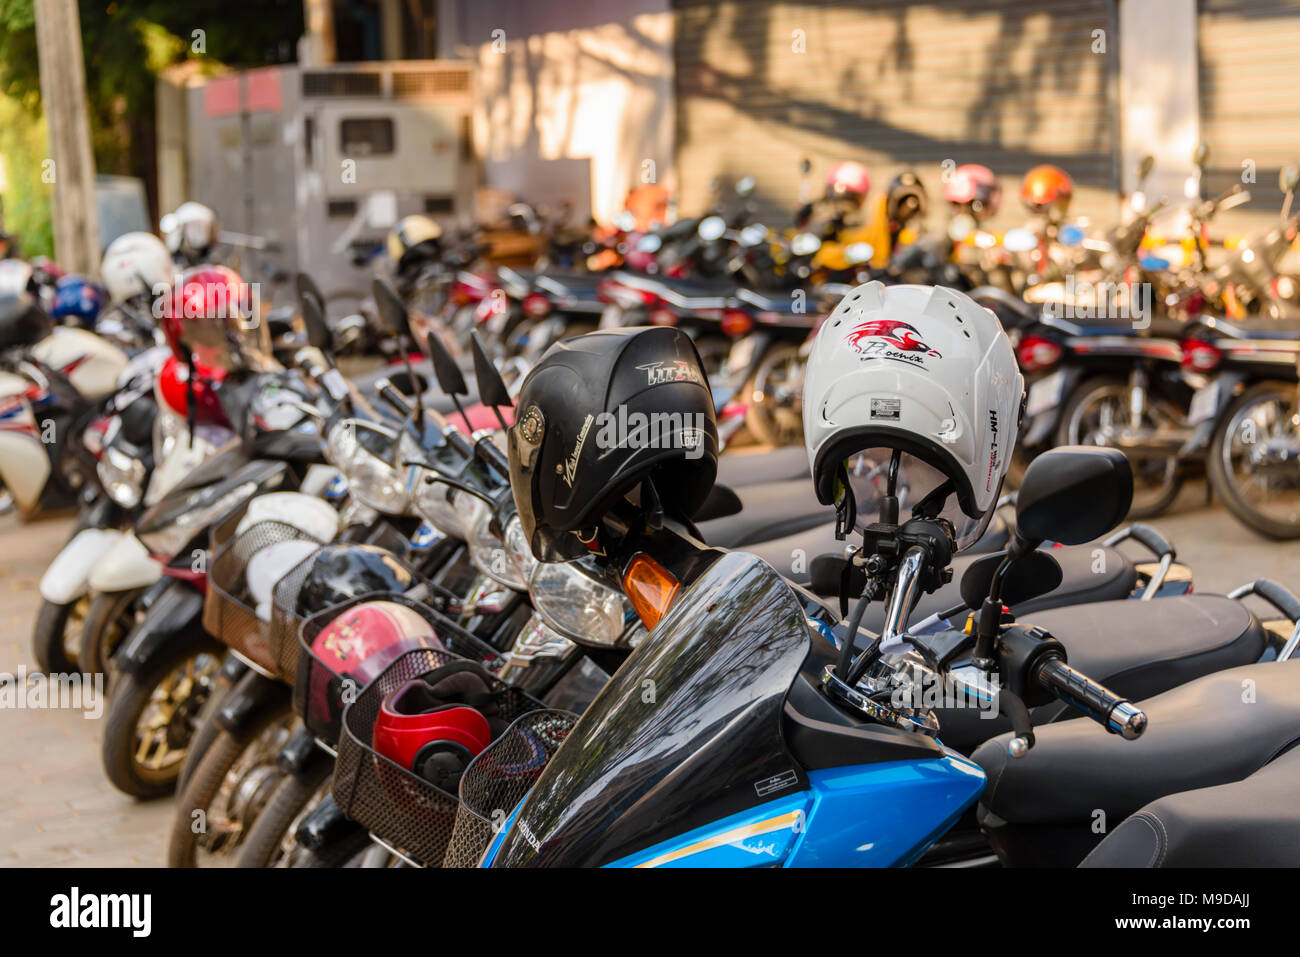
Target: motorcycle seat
692	293
779	465
768	511
1136	648
1214	730
1249	823
1160	327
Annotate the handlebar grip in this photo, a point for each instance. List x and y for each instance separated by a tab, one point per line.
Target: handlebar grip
492	456
458	442
1150	538
1279	597
1108	709
394	397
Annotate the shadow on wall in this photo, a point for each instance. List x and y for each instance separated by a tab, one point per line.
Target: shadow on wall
893	86
572	104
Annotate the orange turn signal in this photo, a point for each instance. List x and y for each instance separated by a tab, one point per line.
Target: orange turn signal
649	587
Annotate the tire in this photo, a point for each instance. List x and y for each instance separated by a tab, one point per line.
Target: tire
1161	494
132	695
264	846
104	630
772	423
257	744
206	729
1225	485
50	643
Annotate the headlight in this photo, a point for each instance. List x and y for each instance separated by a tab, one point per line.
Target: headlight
361	451
435	501
517	548
489	554
122	476
576	606
171	539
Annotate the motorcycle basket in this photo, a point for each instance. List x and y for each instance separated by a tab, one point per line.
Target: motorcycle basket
228	612
392	803
499	778
318	690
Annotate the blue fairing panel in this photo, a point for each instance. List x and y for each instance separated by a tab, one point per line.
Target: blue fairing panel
884	815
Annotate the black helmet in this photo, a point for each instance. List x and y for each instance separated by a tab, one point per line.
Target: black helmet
906	199
22	320
597	416
341	572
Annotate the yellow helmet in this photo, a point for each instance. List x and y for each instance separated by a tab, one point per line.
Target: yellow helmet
409	234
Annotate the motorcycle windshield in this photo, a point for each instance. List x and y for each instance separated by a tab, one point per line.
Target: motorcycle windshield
688	730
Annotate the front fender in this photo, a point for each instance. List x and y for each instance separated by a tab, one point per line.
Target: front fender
250	699
174	618
1203	431
68	576
125	567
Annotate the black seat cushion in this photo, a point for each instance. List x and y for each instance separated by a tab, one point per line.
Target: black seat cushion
769	511
1254	822
1135	648
1214	730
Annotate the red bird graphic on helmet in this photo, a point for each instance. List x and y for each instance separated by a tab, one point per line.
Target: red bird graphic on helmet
900	335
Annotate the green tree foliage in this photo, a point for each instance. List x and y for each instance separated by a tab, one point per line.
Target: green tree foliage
125	44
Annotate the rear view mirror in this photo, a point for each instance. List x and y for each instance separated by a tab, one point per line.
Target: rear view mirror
318	331
1201	155
805	244
745	185
492	389
1145	166
1289	178
391	308
711	228
450	379
1073	494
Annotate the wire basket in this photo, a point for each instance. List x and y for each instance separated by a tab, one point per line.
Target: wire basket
392	803
228	611
286	620
320	693
499	778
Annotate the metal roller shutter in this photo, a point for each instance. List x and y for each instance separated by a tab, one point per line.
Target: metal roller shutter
1008	84
1249	109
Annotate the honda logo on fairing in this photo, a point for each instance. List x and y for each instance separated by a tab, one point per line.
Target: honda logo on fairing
891	339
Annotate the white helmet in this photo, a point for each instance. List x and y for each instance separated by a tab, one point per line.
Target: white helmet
310	515
191	229
919	369
134	264
268	565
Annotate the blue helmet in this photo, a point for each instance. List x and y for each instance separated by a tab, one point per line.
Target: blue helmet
78	299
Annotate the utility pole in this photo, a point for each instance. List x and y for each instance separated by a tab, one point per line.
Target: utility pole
71	165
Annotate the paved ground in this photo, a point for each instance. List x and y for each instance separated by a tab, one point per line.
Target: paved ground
56	809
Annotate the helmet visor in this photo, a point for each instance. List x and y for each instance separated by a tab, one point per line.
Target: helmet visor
868	482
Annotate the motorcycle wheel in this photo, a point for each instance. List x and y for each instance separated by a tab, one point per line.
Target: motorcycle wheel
270	841
150	720
231	786
110	617
774	412
56	635
1157	479
206	729
1239	481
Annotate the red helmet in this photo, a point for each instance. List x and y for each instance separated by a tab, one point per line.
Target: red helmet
974	185
1046	186
427	727
211	315
363	641
174	390
848	180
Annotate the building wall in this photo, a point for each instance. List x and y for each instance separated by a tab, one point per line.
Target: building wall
573	102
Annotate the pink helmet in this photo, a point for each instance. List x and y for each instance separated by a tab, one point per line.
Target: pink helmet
849	180
975	185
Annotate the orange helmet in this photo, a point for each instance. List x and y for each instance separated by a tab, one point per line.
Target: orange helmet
1046	186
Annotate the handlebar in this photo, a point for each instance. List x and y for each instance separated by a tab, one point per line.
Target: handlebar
492	456
1117	715
394	397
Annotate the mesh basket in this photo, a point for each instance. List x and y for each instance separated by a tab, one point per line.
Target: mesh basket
406	811
499	778
286	622
318	690
228	612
